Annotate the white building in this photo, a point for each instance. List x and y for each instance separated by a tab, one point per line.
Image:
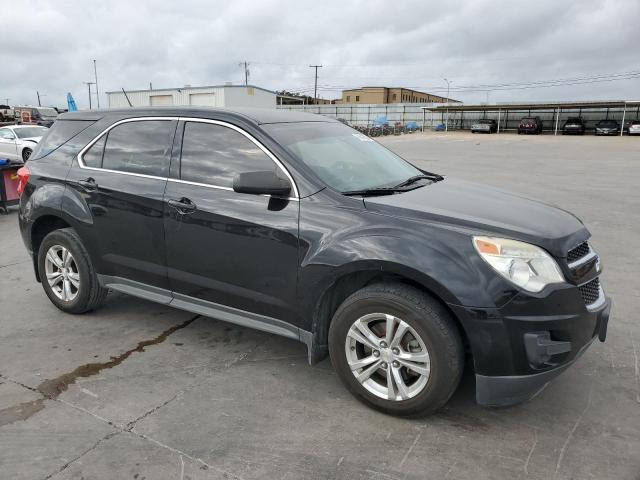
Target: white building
215	96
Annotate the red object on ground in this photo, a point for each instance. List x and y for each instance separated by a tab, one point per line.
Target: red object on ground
11	181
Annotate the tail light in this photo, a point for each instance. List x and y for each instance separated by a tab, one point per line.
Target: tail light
23	178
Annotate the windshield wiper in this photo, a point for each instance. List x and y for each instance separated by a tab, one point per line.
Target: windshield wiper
373	191
415	178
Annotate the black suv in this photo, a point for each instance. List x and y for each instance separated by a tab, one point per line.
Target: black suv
574	125
301	226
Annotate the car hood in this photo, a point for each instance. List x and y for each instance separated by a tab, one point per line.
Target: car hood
486	210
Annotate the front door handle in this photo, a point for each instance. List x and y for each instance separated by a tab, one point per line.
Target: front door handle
184	205
88	185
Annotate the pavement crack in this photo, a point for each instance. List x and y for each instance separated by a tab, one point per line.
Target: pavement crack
533	447
636	365
572	431
130	426
52	388
90	449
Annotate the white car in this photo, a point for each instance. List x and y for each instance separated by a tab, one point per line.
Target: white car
17	142
634	127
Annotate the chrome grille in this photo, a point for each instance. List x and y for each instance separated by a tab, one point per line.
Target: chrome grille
590	291
578	252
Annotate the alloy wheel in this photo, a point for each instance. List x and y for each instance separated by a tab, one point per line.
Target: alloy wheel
387	357
62	273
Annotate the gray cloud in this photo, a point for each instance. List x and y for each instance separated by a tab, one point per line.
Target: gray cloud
412	44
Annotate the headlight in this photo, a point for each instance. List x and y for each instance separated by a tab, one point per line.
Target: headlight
526	265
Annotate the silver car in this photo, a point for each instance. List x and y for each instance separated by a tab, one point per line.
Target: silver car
634	127
17	142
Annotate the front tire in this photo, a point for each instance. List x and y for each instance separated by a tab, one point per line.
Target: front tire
396	349
26	153
66	273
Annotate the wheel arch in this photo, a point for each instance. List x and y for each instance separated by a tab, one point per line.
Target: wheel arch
41	227
353	280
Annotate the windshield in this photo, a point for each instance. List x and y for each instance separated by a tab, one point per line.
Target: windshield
608	123
343	158
485	122
47	112
28	132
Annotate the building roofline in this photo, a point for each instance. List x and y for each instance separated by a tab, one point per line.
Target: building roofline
192	88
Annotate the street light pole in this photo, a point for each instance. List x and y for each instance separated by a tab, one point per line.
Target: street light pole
95	74
446	123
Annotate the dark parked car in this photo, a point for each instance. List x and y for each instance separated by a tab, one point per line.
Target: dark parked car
485	125
607	127
573	125
298	225
530	125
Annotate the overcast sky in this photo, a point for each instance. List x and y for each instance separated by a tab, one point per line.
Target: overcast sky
49	47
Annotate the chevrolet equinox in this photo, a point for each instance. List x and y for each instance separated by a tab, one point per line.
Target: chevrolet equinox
299	225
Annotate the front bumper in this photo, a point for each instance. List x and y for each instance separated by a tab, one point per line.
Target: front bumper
519	348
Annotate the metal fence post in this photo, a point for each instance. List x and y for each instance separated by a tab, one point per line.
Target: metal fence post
624	114
498	131
557	119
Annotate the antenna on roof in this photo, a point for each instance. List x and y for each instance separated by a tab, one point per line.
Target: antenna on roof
127	97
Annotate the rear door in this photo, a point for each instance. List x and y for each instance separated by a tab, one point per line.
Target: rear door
231	249
122	176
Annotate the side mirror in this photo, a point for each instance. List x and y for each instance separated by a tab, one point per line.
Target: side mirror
261	183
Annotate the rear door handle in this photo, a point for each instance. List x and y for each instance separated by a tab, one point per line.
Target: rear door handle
184	205
88	185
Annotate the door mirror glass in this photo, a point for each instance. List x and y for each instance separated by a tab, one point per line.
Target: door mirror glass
261	183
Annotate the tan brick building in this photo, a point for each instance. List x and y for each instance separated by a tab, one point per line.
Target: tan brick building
390	95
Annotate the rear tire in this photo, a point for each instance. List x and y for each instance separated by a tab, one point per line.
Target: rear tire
67	275
423	337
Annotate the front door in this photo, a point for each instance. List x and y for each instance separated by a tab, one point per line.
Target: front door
231	249
122	177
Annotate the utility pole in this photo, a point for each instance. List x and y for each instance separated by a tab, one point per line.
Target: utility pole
95	73
38	94
446	123
245	65
315	88
89	86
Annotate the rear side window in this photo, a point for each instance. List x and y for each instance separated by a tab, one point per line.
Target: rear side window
60	133
141	147
214	154
93	156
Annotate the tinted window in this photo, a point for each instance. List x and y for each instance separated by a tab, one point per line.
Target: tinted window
60	133
214	154
139	147
93	156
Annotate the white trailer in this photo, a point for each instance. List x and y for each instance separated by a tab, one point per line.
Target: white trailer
214	96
